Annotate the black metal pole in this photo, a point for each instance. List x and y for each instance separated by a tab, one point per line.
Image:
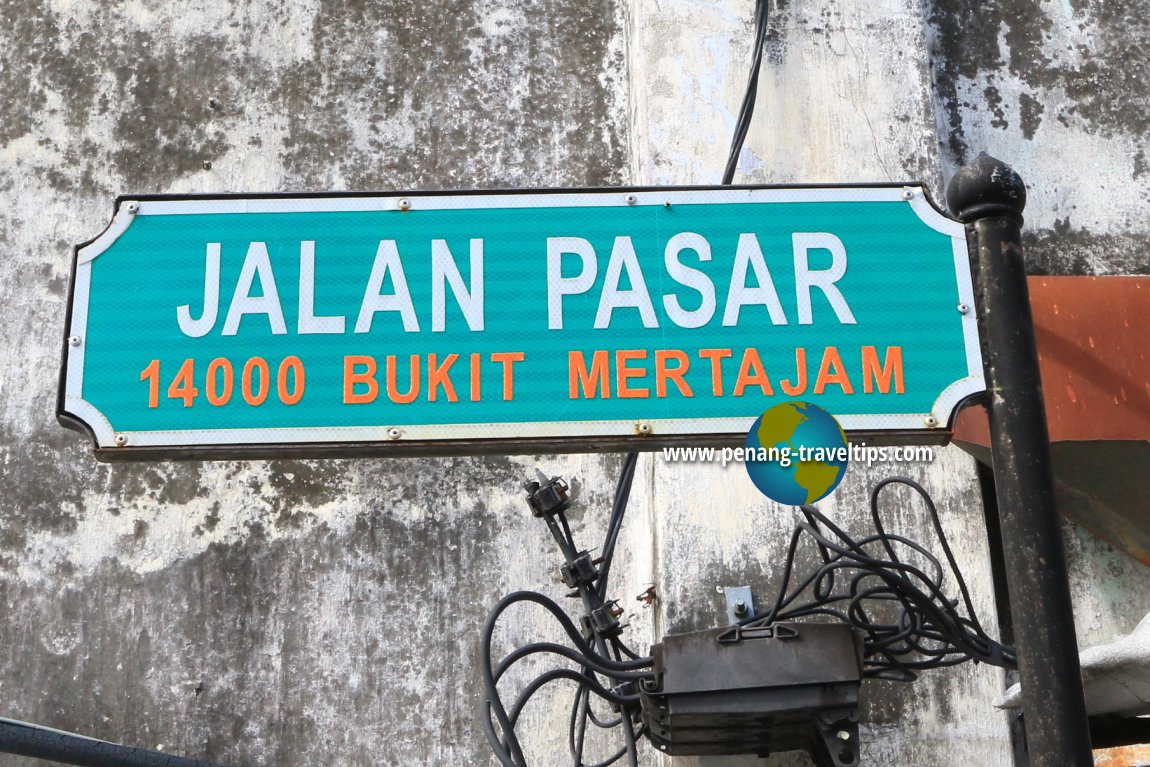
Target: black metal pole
68	748
988	196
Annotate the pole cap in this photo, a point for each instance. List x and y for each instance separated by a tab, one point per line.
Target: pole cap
985	188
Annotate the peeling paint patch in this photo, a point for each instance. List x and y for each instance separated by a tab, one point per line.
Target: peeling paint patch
1030	114
1067	250
1092	56
1062	94
824	112
1109	588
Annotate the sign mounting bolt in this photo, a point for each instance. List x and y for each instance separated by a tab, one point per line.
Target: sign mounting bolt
630	199
907	193
121	440
394	433
963	309
644	428
132	208
405	204
74	340
930	421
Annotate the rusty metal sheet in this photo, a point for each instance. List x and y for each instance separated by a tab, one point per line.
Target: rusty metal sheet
1095	359
1125	756
1095	365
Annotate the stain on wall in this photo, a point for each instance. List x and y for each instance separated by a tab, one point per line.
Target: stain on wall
1059	89
302	612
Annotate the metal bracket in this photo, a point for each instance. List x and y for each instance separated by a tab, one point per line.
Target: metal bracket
740	603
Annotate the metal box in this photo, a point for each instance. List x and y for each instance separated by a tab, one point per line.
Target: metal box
731	690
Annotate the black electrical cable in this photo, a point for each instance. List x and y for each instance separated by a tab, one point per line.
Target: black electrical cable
595	598
615	523
602	655
632	747
587	682
929	631
576	730
577	725
624	649
859	581
506	746
615	671
585	651
747	108
39	742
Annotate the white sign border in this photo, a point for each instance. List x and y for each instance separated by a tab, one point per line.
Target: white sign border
75	407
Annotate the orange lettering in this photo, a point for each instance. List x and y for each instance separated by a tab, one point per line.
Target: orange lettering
874	375
151	374
716	356
294	365
182	386
751	372
591	382
832	359
623	373
440	376
475	359
256	397
392	388
800	386
215	396
351	378
508	359
664	374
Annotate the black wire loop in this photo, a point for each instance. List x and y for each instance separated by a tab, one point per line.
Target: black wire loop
856	584
605	664
747	108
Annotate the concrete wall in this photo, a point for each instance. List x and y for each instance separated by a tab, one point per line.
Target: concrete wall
304	612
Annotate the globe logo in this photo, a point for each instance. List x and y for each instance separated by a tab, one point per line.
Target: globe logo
796	453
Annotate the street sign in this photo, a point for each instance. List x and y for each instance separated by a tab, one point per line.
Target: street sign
514	321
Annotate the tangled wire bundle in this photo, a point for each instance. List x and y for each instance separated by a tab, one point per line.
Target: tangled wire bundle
857	581
854	582
601	654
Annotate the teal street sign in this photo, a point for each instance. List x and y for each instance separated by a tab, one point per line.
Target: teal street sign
479	322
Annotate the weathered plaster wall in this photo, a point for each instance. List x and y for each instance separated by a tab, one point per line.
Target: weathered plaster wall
844	94
298	613
1062	89
283	613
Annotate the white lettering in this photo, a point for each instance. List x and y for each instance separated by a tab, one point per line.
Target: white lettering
308	323
257	264
691	278
387	262
444	270
748	253
207	320
623	258
823	279
558	285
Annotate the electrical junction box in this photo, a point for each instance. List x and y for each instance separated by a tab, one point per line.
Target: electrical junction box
732	690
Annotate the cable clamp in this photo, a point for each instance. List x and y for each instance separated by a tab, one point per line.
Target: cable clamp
547	497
